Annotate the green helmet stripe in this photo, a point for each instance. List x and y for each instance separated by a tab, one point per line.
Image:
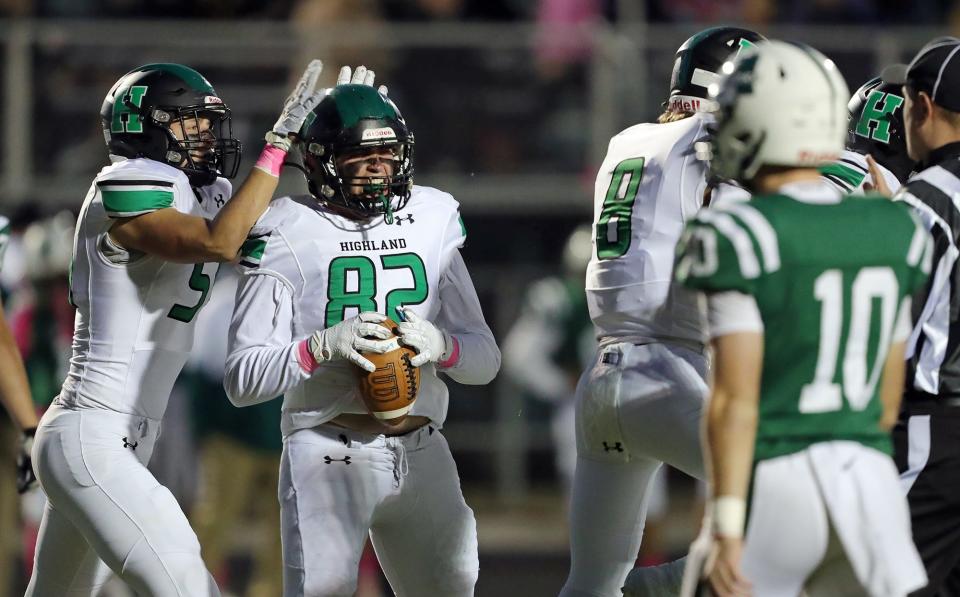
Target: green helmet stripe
356	102
194	79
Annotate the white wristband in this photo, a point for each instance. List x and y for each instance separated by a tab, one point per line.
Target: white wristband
729	515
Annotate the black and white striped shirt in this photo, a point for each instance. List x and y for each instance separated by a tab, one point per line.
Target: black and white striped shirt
933	349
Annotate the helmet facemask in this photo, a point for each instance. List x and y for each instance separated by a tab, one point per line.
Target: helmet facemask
733	149
356	121
365	196
202	153
780	105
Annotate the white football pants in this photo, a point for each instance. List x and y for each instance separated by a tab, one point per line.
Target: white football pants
106	511
336	486
638	406
828	521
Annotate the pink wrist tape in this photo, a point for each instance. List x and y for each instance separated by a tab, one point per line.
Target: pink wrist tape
305	357
271	160
454	355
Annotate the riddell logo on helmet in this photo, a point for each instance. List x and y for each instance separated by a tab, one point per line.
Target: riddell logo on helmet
685	104
815	158
380	133
212	99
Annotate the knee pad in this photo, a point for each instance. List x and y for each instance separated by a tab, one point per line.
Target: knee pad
175	573
325	585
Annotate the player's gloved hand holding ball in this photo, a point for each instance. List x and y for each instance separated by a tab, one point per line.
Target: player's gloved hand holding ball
390	390
431	343
346	339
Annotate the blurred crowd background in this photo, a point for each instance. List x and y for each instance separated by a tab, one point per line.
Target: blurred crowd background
512	103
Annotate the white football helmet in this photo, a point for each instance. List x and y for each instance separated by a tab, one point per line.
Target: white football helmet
780	104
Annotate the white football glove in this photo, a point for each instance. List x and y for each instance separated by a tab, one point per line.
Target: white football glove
298	104
347	338
361	76
430	342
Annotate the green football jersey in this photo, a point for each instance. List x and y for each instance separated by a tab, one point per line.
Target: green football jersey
829	280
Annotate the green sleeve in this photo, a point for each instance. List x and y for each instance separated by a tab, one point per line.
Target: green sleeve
712	259
251	251
127	198
842	175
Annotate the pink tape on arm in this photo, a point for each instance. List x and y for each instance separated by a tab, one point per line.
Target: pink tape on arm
305	357
271	160
454	355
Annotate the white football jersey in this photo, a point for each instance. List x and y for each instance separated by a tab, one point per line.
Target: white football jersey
135	312
850	172
307	268
649	185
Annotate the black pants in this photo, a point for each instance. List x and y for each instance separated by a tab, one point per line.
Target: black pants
927	451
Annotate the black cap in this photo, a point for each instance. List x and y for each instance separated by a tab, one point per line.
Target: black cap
935	69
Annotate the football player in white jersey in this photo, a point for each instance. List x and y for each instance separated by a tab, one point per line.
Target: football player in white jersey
152	231
639	404
321	271
875	129
14	387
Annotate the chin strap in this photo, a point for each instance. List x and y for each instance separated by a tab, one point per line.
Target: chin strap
383	191
387	209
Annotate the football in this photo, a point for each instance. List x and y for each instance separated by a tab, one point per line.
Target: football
390	391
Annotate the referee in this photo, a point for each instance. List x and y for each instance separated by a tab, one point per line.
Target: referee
927	436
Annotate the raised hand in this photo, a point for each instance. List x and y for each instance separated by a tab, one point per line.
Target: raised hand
299	103
360	76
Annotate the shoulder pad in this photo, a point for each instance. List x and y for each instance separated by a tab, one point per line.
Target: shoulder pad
141	169
434	197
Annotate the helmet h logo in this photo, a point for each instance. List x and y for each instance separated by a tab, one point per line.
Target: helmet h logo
124	120
875	119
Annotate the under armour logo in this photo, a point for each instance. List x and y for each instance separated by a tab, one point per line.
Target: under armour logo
616	446
219	200
345	459
132	446
399	220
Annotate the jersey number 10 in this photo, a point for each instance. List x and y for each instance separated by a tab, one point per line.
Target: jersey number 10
871	284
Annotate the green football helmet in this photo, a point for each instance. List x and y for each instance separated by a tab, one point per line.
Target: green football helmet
349	119
697	65
137	113
876	126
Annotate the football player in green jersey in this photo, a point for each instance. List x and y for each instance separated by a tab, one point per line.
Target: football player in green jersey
808	296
